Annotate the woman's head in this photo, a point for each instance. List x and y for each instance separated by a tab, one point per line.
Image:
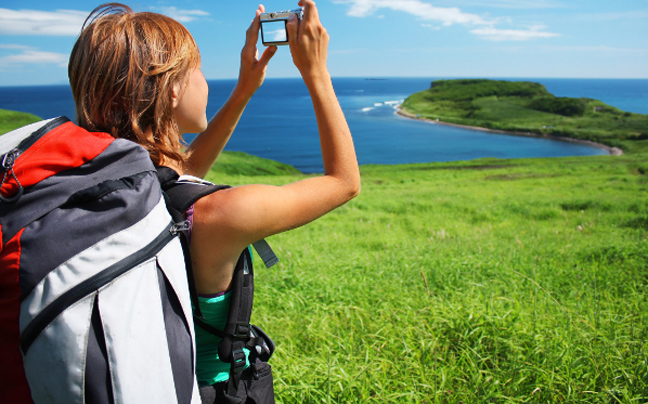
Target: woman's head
123	71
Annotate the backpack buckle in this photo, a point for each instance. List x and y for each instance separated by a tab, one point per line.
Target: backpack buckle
180	227
242	331
238	361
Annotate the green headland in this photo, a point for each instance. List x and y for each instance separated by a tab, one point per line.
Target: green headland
484	281
10	120
527	108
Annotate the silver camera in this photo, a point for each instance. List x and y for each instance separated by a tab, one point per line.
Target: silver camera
273	26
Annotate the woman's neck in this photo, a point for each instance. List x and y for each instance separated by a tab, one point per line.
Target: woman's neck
167	162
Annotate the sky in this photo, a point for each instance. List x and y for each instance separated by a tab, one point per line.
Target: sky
369	38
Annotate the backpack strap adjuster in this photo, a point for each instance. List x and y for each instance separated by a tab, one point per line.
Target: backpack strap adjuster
238	361
242	331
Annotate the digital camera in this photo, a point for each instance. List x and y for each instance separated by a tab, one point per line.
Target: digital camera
273	26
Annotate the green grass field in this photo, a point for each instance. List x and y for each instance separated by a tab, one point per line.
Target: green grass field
468	282
487	281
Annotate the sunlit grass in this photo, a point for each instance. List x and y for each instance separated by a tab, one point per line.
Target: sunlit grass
484	281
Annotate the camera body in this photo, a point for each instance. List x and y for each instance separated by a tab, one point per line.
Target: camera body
273	26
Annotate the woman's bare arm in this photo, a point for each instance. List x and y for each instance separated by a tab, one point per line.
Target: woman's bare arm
229	220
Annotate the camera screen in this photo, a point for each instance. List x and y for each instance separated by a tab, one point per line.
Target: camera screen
274	31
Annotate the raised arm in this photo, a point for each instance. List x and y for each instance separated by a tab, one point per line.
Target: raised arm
205	149
229	220
309	48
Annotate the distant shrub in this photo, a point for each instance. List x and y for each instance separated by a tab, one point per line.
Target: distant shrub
576	205
564	106
637	223
470	89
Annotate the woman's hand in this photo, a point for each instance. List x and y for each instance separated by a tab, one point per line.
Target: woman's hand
253	70
308	42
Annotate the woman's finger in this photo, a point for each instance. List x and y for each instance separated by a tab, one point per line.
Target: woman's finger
267	54
310	10
252	34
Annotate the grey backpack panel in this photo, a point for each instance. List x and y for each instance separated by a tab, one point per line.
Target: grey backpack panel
105	312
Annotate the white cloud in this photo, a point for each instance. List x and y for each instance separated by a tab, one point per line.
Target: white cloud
66	22
452	15
34	22
496	34
431	27
13	46
514	4
183	16
418	8
32	56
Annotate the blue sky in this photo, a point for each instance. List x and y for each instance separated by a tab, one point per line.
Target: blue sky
369	38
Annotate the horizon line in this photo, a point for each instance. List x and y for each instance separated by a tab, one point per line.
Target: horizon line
386	77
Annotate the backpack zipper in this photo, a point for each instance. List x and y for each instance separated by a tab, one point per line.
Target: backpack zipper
85	288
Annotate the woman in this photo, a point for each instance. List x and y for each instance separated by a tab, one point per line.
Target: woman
137	76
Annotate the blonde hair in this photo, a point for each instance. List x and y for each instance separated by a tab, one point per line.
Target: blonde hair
122	71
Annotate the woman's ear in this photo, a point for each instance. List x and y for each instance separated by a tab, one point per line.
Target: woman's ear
176	94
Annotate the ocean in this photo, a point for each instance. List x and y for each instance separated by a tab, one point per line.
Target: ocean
279	123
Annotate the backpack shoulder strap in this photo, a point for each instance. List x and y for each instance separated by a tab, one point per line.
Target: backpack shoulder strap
238	332
179	196
182	192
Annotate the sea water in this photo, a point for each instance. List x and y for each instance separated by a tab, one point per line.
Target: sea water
279	122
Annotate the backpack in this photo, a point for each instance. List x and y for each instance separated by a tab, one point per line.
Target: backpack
255	382
94	296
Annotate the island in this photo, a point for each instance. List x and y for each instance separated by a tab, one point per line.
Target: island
528	109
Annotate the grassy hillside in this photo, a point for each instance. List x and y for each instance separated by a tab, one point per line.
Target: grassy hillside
467	282
10	120
529	107
243	165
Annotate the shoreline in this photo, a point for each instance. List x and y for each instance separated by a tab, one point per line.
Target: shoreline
612	151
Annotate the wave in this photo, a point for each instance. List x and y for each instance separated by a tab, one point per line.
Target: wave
392	103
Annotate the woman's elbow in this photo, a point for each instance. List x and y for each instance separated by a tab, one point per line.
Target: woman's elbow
345	187
353	188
